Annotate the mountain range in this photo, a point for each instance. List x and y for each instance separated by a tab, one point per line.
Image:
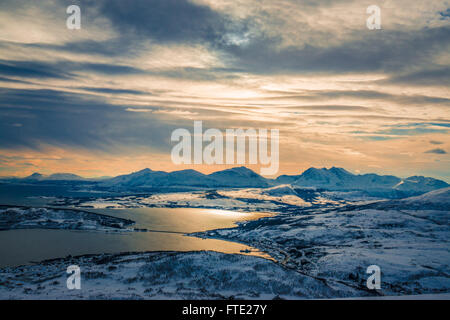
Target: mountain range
235	177
333	179
56	176
340	179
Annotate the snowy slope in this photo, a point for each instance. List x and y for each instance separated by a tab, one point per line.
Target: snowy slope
238	177
436	197
384	185
282	190
235	177
410	243
49	218
165	275
421	184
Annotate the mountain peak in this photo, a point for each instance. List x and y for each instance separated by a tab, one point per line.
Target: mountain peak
63	176
242	169
238	177
146	170
339	171
35	175
314	171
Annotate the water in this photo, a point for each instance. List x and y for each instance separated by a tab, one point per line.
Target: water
19	247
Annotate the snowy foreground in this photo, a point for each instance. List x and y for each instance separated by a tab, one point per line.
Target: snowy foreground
321	245
163	275
408	239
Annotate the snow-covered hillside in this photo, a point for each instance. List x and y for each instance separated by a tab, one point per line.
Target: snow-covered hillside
439	197
410	243
165	275
340	179
319	251
48	218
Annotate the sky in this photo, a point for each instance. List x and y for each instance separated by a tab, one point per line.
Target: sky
103	100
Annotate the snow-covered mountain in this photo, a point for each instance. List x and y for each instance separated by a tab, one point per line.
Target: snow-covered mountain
56	176
433	200
340	179
281	190
35	176
145	177
238	177
332	179
235	177
422	184
439	197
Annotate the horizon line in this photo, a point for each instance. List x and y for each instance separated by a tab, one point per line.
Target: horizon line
243	166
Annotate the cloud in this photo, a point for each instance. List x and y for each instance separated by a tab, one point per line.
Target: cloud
331	108
436	151
164	21
138	110
31	69
176	113
388	52
113	91
138	69
51	117
427	77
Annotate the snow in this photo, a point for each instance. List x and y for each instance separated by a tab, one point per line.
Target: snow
48	218
235	177
385	185
321	246
439	197
338	244
333	179
164	275
247	200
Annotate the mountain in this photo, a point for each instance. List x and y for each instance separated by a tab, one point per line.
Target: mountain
326	178
286	179
56	176
34	176
145	177
419	183
341	179
235	177
434	199
332	179
63	176
314	177
438	200
281	190
238	177
148	178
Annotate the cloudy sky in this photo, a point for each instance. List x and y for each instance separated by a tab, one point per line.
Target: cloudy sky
103	100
